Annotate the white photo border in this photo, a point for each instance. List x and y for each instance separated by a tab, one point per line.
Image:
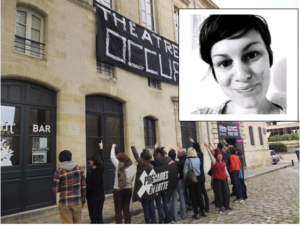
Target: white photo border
292	66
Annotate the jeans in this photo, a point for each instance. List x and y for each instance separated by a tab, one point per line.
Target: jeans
180	190
95	207
122	202
159	208
234	175
204	193
149	211
166	198
174	204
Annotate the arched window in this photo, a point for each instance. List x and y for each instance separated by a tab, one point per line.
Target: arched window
251	135
149	132
260	136
29	33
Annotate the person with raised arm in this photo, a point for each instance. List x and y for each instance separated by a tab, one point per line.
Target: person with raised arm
144	163
124	176
219	176
95	190
196	146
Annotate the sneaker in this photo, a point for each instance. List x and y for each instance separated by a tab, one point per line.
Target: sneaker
229	208
240	200
203	214
195	216
222	209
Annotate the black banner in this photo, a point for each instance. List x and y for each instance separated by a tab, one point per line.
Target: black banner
151	181
228	129
125	44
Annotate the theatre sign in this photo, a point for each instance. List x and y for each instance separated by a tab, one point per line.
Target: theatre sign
123	43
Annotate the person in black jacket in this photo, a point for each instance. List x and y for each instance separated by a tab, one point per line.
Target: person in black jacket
196	146
95	189
181	156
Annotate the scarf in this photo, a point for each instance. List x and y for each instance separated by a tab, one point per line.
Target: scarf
121	174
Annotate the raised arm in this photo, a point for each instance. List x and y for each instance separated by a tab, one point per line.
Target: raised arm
101	150
113	155
179	146
213	160
135	154
211	146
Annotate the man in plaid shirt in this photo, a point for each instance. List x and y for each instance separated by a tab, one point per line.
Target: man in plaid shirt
69	180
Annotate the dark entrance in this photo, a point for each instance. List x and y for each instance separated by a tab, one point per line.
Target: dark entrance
104	121
231	133
188	130
28	146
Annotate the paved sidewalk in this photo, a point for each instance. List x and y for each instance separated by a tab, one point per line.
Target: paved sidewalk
108	209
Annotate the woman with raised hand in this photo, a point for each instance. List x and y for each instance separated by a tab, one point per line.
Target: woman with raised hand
124	176
144	163
192	162
94	187
219	176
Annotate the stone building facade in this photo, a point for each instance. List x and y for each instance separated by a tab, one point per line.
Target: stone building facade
55	95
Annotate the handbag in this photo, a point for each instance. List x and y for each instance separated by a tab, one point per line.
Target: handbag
241	173
190	177
210	172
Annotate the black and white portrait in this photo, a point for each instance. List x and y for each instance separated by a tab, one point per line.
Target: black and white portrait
238	64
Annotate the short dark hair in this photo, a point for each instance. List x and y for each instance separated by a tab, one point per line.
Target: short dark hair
65	155
219	27
196	146
161	151
145	154
220	145
232	150
172	154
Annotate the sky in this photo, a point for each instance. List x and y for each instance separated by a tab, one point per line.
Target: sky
257	3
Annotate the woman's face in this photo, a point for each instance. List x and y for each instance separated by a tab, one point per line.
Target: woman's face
242	68
219	157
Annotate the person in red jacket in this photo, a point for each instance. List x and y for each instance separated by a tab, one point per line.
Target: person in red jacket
219	181
234	169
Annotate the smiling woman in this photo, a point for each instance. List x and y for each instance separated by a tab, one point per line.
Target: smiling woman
238	51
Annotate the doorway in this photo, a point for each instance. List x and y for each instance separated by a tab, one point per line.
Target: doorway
104	121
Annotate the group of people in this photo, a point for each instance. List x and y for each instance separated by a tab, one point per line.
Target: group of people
74	187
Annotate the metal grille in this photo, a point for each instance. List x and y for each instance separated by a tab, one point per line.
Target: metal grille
105	69
29	47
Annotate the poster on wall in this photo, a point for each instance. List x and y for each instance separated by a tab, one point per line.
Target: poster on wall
39	150
228	129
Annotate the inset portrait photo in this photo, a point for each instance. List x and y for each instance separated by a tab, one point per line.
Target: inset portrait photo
238	64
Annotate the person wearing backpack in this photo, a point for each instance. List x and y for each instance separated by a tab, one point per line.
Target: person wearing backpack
124	176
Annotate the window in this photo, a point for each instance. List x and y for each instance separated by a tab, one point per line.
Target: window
149	132
154	83
251	135
29	33
176	22
105	69
260	136
147	14
107	3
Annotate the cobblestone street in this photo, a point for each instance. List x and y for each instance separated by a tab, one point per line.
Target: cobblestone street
272	198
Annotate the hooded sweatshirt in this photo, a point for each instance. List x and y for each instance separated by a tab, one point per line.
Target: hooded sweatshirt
69	181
